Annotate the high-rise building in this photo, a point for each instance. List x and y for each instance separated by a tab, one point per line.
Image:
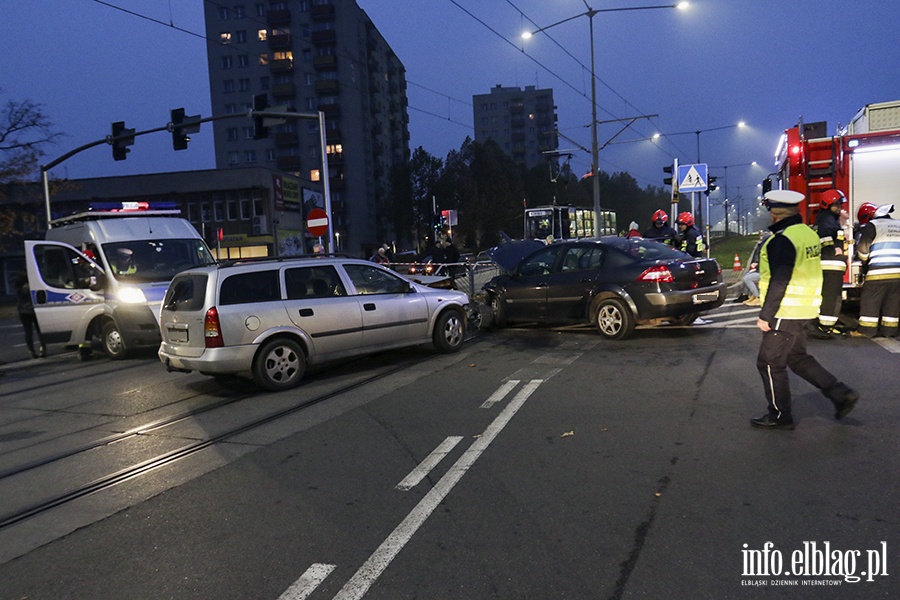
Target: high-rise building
308	56
522	122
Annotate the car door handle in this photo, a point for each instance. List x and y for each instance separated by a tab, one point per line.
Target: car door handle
587	280
306	312
370	306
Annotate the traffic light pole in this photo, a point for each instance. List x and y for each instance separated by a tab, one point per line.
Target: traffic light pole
191	124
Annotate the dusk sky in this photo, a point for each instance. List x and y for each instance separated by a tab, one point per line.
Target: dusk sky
765	62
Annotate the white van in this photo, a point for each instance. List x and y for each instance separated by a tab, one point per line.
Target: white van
103	275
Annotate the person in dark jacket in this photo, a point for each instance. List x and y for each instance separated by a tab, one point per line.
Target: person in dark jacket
690	236
834	262
27	316
660	230
790	286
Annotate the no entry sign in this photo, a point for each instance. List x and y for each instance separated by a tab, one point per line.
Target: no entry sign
317	222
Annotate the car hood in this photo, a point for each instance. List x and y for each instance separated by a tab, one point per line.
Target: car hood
509	254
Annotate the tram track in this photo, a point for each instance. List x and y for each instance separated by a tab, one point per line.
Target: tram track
167	458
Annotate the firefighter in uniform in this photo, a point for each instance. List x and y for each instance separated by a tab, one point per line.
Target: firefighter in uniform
790	288
660	230
834	262
879	241
691	240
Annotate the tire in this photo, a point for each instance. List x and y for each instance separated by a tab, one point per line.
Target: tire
498	311
449	331
613	319
279	365
684	319
112	341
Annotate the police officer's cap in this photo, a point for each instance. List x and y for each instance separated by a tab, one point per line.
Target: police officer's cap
883	210
782	199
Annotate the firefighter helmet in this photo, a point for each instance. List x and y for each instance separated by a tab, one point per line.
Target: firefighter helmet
685	218
865	212
660	215
830	197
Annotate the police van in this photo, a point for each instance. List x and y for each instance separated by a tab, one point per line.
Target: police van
102	275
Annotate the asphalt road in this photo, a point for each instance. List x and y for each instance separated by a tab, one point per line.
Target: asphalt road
539	463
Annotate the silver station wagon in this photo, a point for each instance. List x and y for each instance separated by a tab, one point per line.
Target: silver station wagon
271	318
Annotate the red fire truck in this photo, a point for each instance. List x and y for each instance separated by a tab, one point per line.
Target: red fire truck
862	160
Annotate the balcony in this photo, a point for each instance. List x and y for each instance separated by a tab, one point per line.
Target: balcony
278	17
286	139
283	65
288	163
324	37
284	89
333	136
330	110
327	86
325	63
322	12
281	41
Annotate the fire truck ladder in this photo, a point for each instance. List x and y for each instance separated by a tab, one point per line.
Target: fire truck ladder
821	166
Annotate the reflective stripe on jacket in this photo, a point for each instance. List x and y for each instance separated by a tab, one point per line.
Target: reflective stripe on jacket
880	246
803	295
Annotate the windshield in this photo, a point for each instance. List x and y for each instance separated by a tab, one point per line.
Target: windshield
154	260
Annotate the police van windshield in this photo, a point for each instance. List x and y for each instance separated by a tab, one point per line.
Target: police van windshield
154	260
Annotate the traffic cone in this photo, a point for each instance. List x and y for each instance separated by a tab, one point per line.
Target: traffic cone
737	264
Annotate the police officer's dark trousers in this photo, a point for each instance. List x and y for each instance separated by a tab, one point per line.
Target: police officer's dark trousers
783	347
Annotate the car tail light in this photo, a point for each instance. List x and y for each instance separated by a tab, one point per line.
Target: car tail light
212	332
658	274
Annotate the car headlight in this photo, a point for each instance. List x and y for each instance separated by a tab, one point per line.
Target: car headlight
131	295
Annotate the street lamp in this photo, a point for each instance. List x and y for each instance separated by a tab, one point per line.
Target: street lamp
595	146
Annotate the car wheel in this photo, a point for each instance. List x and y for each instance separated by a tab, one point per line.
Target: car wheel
279	364
449	331
113	344
684	319
614	320
498	311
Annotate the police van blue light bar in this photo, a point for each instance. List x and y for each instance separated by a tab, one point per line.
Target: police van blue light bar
130	206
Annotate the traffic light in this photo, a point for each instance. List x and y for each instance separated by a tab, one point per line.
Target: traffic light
260	103
667	180
711	184
120	139
181	126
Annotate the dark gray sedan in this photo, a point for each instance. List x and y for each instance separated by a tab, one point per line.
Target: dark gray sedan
611	282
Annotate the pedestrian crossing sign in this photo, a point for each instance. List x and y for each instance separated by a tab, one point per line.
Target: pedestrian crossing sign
693	178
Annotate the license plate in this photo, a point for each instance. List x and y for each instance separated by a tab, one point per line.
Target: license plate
705	297
178	335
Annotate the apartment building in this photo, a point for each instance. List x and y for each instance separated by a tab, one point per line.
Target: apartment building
522	122
309	56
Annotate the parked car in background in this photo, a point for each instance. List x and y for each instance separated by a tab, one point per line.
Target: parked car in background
271	318
612	283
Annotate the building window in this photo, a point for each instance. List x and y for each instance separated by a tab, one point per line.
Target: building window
262	35
223	13
238	12
258	205
240	37
307	55
219	210
243	60
315	175
263	59
244	85
309	79
232	206
249	132
314	151
232	134
264	83
270	155
204	212
250	156
260	10
192	212
311	104
234	158
227	62
225	37
245	209
230	109
228	86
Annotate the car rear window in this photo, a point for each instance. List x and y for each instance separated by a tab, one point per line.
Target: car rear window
186	292
246	288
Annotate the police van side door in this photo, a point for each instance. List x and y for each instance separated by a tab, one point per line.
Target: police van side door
60	279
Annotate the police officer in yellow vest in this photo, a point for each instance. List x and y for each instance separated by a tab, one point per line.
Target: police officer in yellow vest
790	288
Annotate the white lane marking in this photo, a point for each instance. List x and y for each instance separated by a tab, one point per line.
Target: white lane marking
501	393
430	462
363	579
308	582
889	344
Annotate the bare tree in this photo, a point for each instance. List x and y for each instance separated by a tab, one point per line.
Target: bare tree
24	133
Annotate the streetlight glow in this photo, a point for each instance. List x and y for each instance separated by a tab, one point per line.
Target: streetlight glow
683	5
